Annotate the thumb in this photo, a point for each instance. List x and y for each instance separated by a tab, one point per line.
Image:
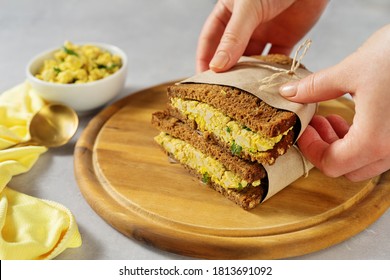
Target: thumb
245	18
319	86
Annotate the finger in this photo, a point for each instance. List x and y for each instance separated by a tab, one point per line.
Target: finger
323	85
235	38
278	49
316	150
324	129
312	146
210	36
340	157
254	47
369	171
340	125
246	17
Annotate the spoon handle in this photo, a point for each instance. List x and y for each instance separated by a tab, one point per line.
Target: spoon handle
24	144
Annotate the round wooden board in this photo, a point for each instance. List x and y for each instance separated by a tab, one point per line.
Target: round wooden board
129	182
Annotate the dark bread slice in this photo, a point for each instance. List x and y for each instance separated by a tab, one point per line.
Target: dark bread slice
277	58
239	105
266	157
249	171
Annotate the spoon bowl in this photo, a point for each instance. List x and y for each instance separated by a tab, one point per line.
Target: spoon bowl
53	125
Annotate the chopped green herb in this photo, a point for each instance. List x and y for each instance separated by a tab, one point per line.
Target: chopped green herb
240	187
235	149
69	51
246	128
228	130
102	66
253	150
206	178
57	70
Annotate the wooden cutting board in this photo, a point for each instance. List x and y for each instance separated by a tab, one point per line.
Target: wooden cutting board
129	182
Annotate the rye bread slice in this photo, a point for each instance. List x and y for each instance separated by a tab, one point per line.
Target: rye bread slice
239	105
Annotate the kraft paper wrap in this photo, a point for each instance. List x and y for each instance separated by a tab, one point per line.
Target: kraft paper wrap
263	80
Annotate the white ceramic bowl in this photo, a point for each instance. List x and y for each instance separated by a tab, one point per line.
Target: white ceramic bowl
83	98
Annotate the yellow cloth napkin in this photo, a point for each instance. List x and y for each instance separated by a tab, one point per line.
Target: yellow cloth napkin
31	228
17	106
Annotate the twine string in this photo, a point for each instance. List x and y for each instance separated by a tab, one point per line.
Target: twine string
296	63
267	82
305	164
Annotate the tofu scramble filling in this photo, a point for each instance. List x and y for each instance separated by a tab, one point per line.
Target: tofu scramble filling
239	137
74	64
210	169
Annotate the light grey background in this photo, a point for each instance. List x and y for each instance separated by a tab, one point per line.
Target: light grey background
160	38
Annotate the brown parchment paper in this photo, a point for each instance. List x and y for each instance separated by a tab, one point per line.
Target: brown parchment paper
254	76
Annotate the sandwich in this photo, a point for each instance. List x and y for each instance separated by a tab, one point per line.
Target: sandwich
225	136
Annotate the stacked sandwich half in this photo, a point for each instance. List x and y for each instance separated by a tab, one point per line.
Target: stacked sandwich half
224	136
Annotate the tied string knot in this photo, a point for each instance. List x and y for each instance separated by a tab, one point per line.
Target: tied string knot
300	53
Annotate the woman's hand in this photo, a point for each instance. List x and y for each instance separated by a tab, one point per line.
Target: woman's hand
244	27
362	150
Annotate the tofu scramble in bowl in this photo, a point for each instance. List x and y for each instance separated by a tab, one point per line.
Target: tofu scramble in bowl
79	64
82	76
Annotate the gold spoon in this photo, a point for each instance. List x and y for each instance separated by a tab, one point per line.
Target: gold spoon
52	126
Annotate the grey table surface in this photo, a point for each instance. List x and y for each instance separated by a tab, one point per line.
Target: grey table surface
160	39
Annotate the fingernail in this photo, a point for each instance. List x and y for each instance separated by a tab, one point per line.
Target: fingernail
288	90
220	60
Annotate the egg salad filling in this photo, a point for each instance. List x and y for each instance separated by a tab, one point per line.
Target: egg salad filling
79	64
228	130
210	169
